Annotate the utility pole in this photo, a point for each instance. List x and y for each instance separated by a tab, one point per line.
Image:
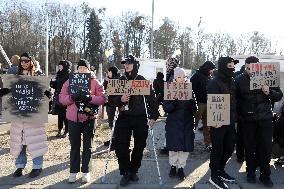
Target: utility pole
46	42
152	34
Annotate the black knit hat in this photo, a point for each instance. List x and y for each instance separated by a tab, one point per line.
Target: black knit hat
129	60
83	62
251	59
26	55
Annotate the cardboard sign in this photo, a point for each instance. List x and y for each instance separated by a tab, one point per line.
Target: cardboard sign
218	109
131	87
79	83
264	73
26	102
180	91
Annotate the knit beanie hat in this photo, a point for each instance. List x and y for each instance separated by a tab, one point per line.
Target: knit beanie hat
179	72
83	62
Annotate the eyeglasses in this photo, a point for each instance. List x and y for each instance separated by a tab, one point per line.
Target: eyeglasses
25	61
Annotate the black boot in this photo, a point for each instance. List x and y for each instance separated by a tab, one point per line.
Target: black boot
134	177
35	172
125	179
180	174
18	172
173	171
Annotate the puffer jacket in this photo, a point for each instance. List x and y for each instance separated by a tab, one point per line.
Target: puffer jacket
98	98
30	134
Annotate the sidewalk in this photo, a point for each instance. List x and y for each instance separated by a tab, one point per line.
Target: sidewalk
56	170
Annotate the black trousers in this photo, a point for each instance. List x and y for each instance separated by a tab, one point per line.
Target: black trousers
223	140
75	130
240	147
125	126
258	145
110	115
62	119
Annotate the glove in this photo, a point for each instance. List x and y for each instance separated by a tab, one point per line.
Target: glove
4	91
76	97
48	93
86	98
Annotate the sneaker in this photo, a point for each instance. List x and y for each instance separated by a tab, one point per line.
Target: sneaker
218	183
266	181
226	178
134	177
173	171
251	178
180	174
86	177
35	172
72	177
125	180
18	172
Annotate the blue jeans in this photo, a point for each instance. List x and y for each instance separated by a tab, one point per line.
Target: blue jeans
21	160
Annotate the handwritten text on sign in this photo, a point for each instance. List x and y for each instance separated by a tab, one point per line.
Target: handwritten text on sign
26	101
264	73
79	83
218	109
131	87
181	91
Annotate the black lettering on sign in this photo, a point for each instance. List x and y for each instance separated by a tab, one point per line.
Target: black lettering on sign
79	83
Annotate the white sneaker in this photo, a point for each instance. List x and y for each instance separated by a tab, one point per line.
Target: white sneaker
72	177
86	177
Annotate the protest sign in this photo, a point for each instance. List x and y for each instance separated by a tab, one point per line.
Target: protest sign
26	101
218	109
131	87
79	83
180	91
264	73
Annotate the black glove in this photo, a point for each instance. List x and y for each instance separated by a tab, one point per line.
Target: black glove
86	98
4	91
175	102
48	93
76	97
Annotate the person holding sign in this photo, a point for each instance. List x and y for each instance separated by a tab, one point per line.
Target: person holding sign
132	118
81	122
27	136
222	136
62	75
199	85
179	128
255	112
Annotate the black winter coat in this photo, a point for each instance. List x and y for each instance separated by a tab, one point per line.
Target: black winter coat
221	85
199	86
254	104
136	103
179	124
58	108
158	86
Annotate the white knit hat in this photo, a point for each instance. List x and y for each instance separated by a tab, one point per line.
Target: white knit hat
179	72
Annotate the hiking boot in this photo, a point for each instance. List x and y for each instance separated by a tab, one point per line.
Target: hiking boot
225	177
218	183
18	172
125	180
35	172
180	174
173	171
266	181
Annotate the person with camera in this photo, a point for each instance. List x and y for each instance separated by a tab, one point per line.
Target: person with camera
133	118
81	121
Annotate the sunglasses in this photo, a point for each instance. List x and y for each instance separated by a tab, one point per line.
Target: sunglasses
25	61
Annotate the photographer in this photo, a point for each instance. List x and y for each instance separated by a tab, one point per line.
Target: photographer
81	120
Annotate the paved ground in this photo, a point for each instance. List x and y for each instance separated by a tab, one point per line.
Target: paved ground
56	166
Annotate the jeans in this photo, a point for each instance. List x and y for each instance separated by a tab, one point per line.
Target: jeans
21	160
